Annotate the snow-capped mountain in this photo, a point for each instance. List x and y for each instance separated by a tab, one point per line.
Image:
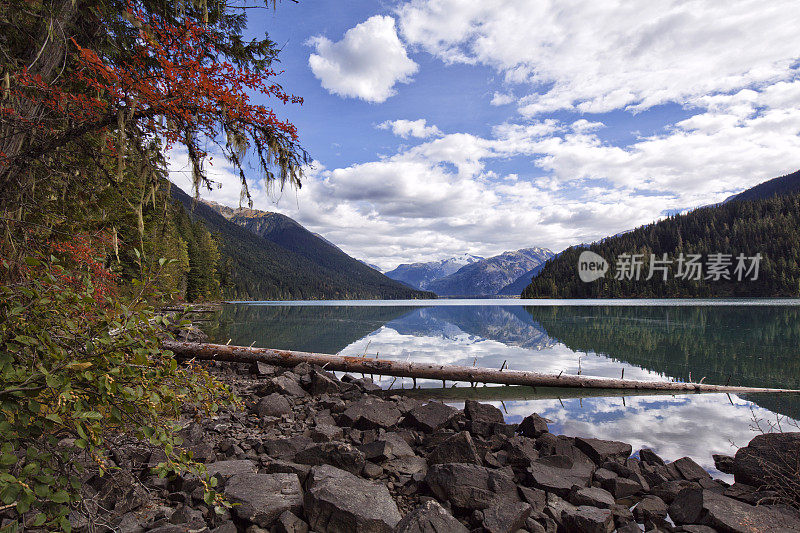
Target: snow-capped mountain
421	275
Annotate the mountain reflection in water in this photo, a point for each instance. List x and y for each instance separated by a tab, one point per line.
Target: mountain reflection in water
745	345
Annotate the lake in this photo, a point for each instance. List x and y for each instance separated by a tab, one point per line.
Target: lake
741	342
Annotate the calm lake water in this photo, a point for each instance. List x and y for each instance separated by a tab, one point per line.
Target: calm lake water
744	342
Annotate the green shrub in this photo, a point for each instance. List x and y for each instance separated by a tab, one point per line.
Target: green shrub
80	369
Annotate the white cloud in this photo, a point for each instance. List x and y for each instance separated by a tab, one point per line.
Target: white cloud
502	99
601	56
366	63
410	128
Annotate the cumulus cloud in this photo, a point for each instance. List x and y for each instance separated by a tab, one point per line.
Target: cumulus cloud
502	99
601	56
448	194
366	63
410	128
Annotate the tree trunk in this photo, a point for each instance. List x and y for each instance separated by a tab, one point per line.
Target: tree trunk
287	358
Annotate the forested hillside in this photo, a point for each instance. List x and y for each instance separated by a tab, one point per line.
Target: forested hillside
251	267
770	227
287	233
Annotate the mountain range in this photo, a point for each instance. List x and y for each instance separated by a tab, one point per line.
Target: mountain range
469	275
421	275
267	256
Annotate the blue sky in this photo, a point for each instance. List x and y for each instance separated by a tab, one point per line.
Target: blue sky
452	126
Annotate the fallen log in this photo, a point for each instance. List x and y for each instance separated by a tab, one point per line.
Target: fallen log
385	367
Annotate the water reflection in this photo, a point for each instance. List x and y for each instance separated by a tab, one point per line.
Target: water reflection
747	345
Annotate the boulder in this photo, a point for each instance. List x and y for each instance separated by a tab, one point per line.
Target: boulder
482	417
766	456
506	517
325	433
593	496
649	456
223	470
429	517
324	382
458	448
262	498
601	451
557	474
389	446
288	522
406	465
370	413
260	369
622	487
520	451
287	467
337	501
338	454
533	426
690	470
285	448
704	507
272	405
429	417
470	486
585	519
285	385
650	508
724	463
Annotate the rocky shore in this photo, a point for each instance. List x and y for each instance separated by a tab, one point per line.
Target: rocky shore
310	452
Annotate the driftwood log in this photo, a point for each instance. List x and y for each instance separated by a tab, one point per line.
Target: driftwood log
384	367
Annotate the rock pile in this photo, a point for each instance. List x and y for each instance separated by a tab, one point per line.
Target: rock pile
311	452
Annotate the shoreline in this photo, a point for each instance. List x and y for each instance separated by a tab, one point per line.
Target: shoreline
311	452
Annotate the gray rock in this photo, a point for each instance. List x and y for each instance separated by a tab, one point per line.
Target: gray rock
668	490
262	369
649	456
288	522
601	451
724	463
337	501
430	417
773	454
585	519
287	467
557	474
429	517
537	498
458	448
272	405
593	496
520	451
325	433
389	446
336	454
690	470
225	469
286	448
324	382
506	517
622	487
370	413
406	466
226	527
650	508
264	497
470	486
285	385
533	426
483	417
704	507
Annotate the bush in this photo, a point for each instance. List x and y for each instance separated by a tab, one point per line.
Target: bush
80	371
